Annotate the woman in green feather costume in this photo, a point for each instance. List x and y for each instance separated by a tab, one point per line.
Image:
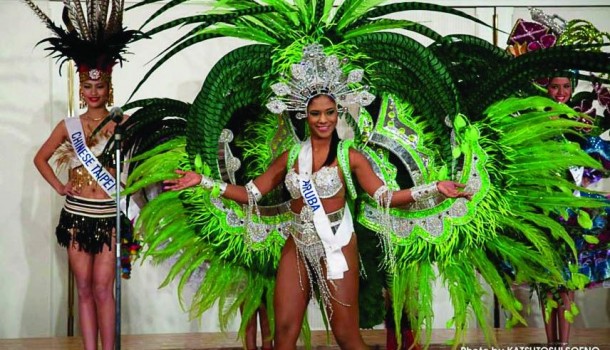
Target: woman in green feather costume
323	245
415	135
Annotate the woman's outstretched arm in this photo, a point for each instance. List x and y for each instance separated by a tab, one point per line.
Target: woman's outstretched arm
264	183
370	182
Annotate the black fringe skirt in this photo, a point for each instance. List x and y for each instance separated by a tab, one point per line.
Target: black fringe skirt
88	224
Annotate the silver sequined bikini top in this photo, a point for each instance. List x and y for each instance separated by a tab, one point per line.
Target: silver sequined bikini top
326	180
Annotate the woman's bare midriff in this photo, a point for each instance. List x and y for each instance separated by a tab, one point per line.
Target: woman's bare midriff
92	191
330	204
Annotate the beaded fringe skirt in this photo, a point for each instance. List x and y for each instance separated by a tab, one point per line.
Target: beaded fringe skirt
88	224
310	252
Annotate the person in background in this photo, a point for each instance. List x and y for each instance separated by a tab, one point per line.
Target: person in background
261	318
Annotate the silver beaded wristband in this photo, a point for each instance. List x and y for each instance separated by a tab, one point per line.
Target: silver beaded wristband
254	191
383	196
206	182
209	184
424	191
223	188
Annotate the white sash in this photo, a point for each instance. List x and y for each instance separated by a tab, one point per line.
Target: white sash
335	260
577	173
87	158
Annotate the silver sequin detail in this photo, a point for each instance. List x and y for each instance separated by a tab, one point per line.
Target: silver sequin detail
398	137
257	231
383	198
326	180
227	163
316	74
276	106
402	227
280	89
554	22
422	192
310	251
355	76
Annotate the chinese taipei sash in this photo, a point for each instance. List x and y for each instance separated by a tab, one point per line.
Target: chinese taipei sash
87	158
332	242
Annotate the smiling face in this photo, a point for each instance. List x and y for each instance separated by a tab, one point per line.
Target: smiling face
560	89
322	116
95	93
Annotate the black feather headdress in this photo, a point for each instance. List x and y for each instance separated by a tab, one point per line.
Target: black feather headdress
94	37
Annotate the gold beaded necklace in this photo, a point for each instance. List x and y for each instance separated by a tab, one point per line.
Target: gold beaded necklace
93	119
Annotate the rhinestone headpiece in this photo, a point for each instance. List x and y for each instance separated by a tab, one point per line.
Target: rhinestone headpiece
555	23
318	74
84	73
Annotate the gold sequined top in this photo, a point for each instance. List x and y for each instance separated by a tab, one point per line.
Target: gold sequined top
65	157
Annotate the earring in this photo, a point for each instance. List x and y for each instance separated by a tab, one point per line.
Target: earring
81	102
110	101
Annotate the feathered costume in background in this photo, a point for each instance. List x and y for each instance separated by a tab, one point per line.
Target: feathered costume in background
584	224
95	39
417	133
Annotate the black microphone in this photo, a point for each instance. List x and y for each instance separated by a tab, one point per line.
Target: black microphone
116	115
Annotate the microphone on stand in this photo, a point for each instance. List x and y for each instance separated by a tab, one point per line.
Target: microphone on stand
116	115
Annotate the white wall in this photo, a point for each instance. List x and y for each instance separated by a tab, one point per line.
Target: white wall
33	98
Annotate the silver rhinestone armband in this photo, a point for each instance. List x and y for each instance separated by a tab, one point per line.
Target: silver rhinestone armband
206	182
383	196
424	191
218	188
223	187
254	191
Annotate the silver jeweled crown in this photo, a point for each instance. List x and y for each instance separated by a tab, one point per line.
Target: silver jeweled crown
318	74
555	23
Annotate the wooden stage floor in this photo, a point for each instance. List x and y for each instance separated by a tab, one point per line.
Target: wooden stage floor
516	339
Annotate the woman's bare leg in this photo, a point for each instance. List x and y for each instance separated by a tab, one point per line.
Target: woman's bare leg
345	321
550	325
250	341
567	298
265	328
81	264
103	291
291	297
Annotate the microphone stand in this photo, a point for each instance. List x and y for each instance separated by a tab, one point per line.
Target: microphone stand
118	135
